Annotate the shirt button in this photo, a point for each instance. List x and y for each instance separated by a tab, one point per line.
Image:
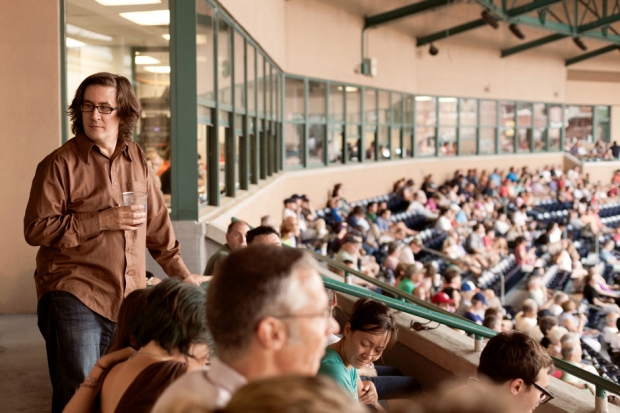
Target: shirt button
115	183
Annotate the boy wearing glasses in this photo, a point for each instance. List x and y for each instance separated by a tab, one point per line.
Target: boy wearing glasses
514	367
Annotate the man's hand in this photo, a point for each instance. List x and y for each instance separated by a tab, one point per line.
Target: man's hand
197	279
127	218
368	393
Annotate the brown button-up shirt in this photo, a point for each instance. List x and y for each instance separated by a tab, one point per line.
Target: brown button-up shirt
71	186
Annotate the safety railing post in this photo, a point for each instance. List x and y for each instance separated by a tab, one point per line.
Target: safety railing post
502	286
600	401
477	343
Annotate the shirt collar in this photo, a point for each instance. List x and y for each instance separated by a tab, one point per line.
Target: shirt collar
85	145
225	376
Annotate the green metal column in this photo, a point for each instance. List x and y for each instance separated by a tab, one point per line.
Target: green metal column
213	147
563	129
478	127
362	140
304	141
183	103
326	148
414	128
546	135
230	163
437	122
255	144
458	127
498	128
244	149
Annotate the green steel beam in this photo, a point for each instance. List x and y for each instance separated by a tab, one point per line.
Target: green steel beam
409	10
533	44
512	13
183	114
530	7
452	31
591	54
599	23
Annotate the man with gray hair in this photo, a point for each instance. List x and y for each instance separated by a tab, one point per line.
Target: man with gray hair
268	314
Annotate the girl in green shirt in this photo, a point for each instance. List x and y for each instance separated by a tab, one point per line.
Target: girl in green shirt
370	331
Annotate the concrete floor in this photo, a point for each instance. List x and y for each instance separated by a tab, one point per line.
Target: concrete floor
24	380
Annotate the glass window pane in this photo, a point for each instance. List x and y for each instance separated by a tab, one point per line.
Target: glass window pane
239	140
602	112
555	135
425	141
488	113
371	136
224	68
507	120
525	114
336	103
370	105
293	137
578	123
540	139
260	76
397	108
384	107
295	103
447	141
251	78
602	131
409	110
354	146
316	144
239	76
384	143
408	143
395	143
487	140
426	114
468	109
467	138
335	143
540	115
316	101
223	131
204	52
353	104
275	79
202	164
268	111
525	135
448	115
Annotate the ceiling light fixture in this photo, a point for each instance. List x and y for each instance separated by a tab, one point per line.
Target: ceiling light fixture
86	34
157	69
489	19
146	60
69	42
423	98
166	36
516	31
126	2
148	18
580	44
433	50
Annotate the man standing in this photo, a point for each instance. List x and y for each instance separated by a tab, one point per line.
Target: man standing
235	239
269	316
92	248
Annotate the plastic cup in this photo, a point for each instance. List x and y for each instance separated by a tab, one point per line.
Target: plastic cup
135	198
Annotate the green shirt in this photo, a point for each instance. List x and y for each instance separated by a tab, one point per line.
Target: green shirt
333	367
216	259
406	285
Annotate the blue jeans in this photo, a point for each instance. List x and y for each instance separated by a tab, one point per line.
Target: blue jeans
75	338
391	384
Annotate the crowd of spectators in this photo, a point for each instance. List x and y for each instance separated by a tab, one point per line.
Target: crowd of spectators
599	151
483	219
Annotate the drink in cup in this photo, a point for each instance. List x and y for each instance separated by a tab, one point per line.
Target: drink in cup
135	198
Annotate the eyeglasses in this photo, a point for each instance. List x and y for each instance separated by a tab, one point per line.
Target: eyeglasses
89	107
326	314
545	395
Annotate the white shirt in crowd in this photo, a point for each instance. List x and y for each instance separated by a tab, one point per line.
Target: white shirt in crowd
443	224
212	388
406	255
524	324
519	218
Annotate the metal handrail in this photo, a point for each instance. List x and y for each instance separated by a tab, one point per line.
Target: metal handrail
602	385
409	304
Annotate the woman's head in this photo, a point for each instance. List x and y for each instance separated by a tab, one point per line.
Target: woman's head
175	317
285	394
130	316
393	248
370	331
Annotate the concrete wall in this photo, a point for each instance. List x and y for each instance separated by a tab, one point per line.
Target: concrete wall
30	119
